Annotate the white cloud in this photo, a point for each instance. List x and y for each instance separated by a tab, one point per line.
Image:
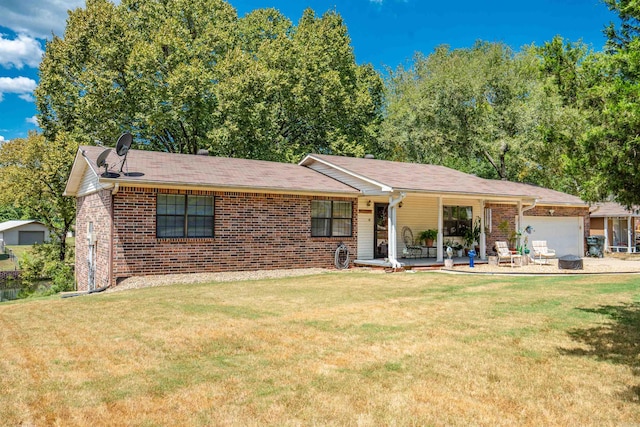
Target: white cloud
27	97
23	50
37	19
33	120
22	86
2	138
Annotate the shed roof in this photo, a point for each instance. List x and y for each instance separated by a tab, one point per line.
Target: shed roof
8	225
419	177
152	168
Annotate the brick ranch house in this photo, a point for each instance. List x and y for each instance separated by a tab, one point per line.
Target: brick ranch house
175	213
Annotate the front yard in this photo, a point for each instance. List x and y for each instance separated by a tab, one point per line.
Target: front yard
344	348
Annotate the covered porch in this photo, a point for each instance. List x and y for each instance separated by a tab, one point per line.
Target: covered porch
383	220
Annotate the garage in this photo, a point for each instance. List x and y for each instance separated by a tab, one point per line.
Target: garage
563	234
30	237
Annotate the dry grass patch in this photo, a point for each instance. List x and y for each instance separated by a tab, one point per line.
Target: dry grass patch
331	349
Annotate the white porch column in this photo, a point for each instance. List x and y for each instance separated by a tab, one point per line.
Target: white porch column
440	241
519	224
629	234
391	227
606	234
483	236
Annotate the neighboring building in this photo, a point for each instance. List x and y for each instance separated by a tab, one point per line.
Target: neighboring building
174	213
27	232
619	225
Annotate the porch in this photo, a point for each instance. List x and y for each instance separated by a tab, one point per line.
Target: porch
414	262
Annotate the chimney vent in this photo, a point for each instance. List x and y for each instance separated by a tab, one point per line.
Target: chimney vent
203	152
369	156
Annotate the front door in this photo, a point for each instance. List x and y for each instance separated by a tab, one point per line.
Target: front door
380	232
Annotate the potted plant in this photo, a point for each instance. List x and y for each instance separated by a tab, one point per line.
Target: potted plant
428	236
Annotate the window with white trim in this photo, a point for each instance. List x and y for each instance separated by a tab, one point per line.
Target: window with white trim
180	215
331	218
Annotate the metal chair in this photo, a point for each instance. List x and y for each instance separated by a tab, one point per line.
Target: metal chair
411	250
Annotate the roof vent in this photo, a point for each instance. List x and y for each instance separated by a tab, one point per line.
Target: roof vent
203	152
369	156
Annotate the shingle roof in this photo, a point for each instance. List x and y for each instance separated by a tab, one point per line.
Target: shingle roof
612	210
440	179
157	168
8	225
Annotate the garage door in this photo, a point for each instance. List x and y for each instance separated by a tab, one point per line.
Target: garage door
30	237
563	234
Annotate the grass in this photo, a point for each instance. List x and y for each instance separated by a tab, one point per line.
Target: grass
355	348
18	250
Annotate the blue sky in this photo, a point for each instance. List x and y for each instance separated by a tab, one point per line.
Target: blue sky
385	33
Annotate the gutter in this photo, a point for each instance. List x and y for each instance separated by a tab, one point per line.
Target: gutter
530	207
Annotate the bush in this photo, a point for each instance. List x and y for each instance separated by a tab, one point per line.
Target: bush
43	273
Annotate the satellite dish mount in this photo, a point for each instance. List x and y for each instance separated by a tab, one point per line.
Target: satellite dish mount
122	147
101	162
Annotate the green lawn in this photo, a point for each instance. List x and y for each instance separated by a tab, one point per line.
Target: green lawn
354	348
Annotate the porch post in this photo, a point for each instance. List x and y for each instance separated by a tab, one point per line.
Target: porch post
606	234
392	224
391	227
629	234
440	241
483	236
519	224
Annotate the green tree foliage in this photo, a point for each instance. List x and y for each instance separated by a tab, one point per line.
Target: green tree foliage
480	109
182	75
610	148
33	176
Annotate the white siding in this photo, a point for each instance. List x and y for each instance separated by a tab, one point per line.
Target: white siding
89	183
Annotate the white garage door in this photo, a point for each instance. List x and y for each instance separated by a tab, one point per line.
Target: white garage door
563	234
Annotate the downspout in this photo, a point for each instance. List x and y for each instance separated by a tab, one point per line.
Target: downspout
116	188
522	211
393	248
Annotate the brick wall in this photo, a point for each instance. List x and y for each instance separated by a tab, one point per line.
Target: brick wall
251	232
502	212
94	208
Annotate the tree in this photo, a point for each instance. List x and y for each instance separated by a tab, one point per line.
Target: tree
184	75
610	148
33	176
479	109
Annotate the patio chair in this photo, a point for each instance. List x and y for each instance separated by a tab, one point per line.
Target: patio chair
411	250
541	251
504	253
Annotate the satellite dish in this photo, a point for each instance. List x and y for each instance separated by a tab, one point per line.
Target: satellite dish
124	143
101	162
102	158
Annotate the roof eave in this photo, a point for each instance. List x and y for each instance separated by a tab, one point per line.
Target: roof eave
237	188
